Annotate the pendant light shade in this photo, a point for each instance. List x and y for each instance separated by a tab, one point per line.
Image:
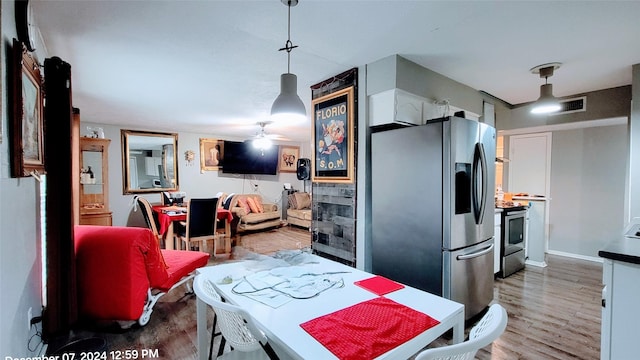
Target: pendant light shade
546	103
288	106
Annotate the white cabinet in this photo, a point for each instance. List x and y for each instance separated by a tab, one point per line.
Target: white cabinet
395	106
497	238
537	233
620	314
151	165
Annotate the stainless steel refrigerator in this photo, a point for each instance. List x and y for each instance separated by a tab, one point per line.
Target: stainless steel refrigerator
433	208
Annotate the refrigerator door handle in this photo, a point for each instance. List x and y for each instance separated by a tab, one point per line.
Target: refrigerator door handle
479	200
481	252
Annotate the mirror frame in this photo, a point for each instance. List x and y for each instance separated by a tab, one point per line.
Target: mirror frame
126	181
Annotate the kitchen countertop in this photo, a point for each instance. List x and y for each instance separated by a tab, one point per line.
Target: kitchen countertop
534	198
511	205
625	248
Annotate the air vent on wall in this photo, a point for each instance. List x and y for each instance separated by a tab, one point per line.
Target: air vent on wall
569	106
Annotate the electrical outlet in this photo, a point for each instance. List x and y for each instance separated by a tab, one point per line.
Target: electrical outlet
29	317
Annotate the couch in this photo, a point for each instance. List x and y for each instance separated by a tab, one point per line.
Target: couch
122	272
251	213
299	211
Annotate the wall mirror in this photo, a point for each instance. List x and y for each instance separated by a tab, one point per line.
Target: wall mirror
149	162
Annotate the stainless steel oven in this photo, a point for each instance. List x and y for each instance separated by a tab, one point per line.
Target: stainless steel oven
514	237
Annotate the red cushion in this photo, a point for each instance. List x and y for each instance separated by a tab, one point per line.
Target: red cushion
114	265
180	264
242	202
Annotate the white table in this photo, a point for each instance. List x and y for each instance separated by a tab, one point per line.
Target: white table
282	324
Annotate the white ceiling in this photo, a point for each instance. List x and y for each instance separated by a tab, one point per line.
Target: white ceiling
213	67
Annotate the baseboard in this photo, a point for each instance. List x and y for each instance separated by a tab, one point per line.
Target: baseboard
575	256
535	263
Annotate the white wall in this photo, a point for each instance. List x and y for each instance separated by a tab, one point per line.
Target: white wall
191	180
588	169
633	185
19	223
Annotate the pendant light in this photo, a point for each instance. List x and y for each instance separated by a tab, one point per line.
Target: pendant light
288	107
546	103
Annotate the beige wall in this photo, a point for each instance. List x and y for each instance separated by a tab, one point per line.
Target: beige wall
601	104
20	269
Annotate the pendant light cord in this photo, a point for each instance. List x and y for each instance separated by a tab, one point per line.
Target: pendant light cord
288	46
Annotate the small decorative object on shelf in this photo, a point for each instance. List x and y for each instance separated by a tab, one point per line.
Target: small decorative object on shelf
92	179
95	132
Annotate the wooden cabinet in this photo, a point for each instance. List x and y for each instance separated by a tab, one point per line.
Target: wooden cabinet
94	190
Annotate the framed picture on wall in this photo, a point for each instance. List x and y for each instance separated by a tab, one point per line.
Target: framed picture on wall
27	134
333	137
211	152
288	158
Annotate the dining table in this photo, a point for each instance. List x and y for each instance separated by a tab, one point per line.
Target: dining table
316	308
169	215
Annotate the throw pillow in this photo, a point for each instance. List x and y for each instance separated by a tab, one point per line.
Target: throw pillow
292	201
252	204
242	202
303	201
258	200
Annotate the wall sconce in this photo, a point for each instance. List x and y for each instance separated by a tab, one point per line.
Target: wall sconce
189	156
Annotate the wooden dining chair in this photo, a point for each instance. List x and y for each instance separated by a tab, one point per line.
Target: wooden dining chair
201	226
150	217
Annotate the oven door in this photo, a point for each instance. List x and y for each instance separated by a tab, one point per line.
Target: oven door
514	235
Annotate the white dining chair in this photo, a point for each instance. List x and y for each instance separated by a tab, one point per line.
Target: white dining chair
247	341
488	329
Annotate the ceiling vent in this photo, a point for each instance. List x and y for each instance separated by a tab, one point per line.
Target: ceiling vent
569	106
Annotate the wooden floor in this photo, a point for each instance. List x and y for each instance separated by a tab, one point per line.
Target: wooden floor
554	312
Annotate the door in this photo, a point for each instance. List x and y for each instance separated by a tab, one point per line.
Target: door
530	163
471	171
460	139
487	137
469	276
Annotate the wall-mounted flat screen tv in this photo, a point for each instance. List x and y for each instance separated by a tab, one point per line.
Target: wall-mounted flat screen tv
243	158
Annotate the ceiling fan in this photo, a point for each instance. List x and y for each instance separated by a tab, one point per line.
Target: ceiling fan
263	140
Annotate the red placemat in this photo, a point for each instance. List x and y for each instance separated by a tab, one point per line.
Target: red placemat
368	329
379	285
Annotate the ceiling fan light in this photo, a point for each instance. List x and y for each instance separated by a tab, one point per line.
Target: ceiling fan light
262	143
288	106
546	103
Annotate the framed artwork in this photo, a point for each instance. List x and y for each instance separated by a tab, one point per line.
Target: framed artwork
333	137
211	153
288	158
27	132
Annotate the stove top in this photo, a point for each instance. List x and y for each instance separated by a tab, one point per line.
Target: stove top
511	204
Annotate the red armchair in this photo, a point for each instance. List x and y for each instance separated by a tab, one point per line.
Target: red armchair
122	272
